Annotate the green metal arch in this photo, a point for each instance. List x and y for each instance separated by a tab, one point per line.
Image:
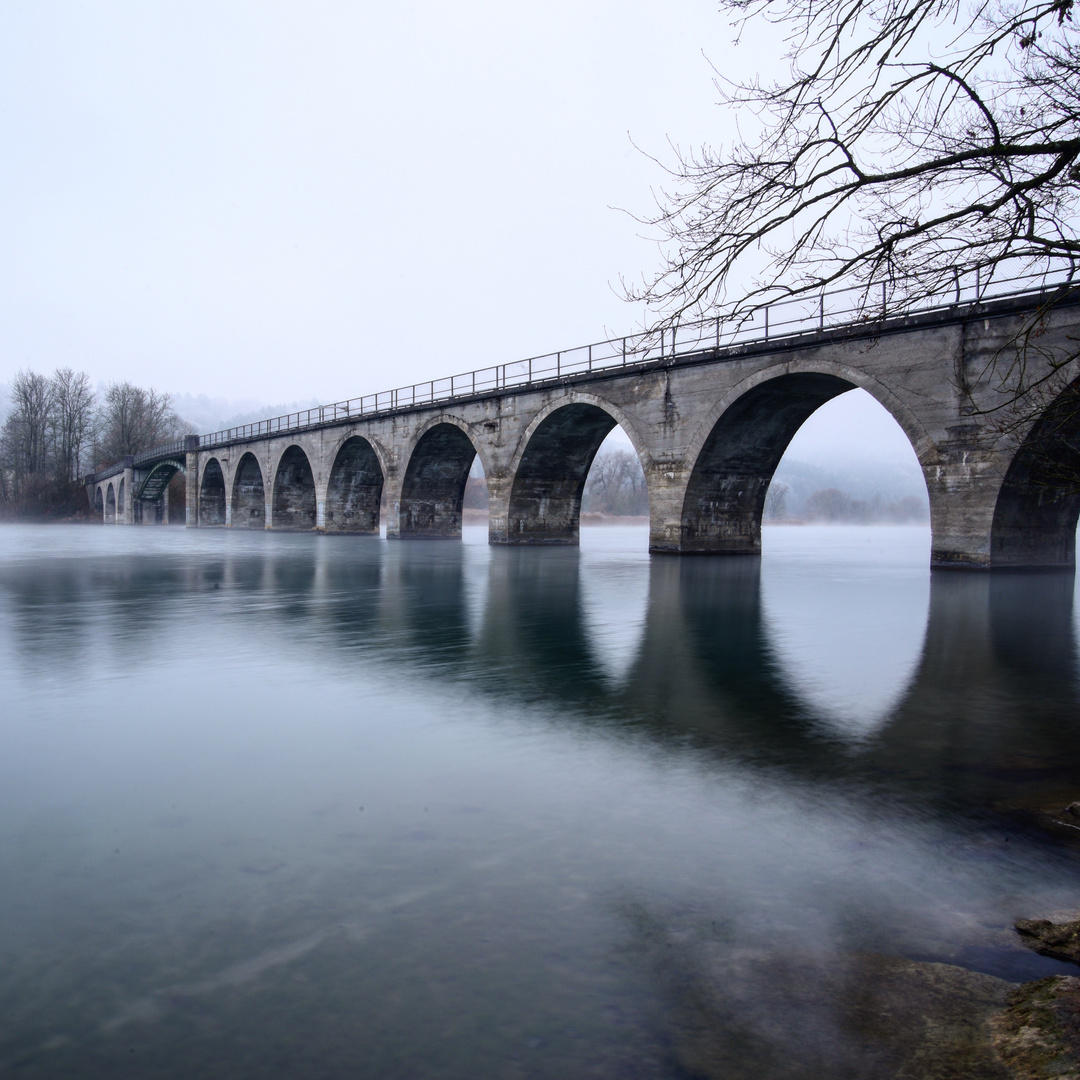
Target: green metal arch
153	480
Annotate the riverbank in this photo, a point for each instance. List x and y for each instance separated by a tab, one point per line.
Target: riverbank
806	1014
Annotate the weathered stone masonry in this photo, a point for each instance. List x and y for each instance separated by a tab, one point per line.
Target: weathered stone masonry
710	430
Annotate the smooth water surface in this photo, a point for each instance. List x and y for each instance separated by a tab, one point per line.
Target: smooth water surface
281	805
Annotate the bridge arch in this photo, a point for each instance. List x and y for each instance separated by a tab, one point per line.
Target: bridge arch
157	479
248	494
150	494
110	505
736	450
433	487
212	494
354	489
294	499
1038	505
99	502
551	466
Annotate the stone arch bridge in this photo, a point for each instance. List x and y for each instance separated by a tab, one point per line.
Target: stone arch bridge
710	414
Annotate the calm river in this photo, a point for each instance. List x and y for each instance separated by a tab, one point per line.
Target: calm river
297	806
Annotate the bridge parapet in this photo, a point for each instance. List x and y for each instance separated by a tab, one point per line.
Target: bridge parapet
710	409
774	325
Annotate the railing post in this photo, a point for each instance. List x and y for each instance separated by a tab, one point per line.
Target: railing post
558	364
624	352
718	330
530	369
821	313
590	358
766	322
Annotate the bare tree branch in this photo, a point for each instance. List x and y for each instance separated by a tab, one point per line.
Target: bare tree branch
878	163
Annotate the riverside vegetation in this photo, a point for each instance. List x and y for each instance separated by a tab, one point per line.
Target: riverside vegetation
616	489
58	428
869	1015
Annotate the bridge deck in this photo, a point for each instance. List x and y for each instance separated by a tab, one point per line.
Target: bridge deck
787	324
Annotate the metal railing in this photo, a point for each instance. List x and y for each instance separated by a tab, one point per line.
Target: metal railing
175	448
166	450
110	470
785	319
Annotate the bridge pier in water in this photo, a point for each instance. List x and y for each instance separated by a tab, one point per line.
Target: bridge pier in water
709	427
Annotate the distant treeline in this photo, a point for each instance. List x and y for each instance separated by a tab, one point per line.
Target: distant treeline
58	429
616	485
833	505
616	488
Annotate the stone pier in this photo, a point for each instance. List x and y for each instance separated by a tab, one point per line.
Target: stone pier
709	427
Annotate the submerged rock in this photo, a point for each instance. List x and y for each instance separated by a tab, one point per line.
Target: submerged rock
1060	941
1038	1034
859	1017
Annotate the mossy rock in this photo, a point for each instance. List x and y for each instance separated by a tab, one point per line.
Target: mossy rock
1058	940
861	1017
1038	1034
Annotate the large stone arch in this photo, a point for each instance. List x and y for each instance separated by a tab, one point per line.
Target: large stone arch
480	446
433	487
211	494
551	466
737	448
248	504
354	489
579	397
1038	505
926	450
294	499
110	505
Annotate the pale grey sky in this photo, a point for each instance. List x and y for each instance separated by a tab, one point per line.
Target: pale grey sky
330	198
288	200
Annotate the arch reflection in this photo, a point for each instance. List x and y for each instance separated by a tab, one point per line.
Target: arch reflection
987	719
848	649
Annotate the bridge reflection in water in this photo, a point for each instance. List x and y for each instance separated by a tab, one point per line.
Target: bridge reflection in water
452	806
709	423
974	676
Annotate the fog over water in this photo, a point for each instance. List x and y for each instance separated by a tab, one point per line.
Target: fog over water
296	805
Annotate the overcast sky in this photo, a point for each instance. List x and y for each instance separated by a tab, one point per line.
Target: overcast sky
280	201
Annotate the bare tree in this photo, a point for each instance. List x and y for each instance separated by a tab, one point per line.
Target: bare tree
133	419
616	485
776	500
912	143
72	421
27	430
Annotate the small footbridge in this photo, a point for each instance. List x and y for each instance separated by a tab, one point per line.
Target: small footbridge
710	409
